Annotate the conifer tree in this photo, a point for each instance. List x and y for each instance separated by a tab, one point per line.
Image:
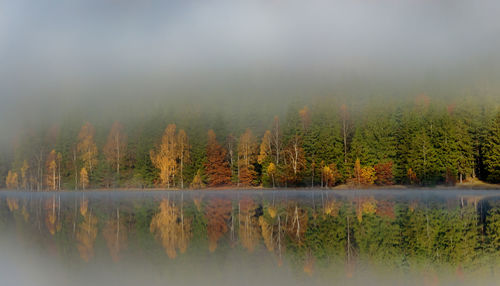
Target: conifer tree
216	166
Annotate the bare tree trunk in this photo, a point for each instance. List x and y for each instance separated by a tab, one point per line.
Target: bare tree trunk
182	170
75	169
117	227
118	158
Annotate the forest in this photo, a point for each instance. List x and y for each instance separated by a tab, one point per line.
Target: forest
321	141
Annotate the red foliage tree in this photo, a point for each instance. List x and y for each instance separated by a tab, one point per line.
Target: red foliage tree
216	167
218	213
383	172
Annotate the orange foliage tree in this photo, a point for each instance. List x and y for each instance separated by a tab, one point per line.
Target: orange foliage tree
216	166
218	213
383	172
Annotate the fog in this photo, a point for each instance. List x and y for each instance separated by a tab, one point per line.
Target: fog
89	55
34	253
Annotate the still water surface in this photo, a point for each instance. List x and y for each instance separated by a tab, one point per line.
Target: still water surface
307	237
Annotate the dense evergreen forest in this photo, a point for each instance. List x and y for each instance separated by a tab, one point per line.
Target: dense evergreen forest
323	141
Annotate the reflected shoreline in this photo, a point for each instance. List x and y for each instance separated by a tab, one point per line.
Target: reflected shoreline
301	236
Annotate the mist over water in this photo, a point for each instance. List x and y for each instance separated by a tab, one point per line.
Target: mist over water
231	65
249	238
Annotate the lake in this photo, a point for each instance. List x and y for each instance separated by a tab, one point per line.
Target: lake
236	237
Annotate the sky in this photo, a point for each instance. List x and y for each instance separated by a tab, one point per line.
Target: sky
59	53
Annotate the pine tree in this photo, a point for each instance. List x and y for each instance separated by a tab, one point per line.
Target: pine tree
492	154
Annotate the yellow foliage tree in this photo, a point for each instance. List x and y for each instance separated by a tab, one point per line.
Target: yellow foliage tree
197	182
363	175
366	206
330	175
271	171
332	208
87	233
165	157
12	180
86	147
51	173
171	228
13	204
368	175
84	178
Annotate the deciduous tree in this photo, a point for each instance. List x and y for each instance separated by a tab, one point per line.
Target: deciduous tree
247	148
115	148
86	147
216	166
165	156
12	181
295	159
84	178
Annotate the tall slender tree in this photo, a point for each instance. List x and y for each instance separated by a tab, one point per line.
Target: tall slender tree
165	156
115	148
86	147
247	148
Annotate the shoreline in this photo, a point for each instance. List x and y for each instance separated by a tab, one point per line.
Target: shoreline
343	187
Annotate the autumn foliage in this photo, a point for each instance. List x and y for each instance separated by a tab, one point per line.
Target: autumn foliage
216	166
383	173
363	175
171	228
218	213
247	149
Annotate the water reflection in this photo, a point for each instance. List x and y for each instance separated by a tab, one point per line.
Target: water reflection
426	237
